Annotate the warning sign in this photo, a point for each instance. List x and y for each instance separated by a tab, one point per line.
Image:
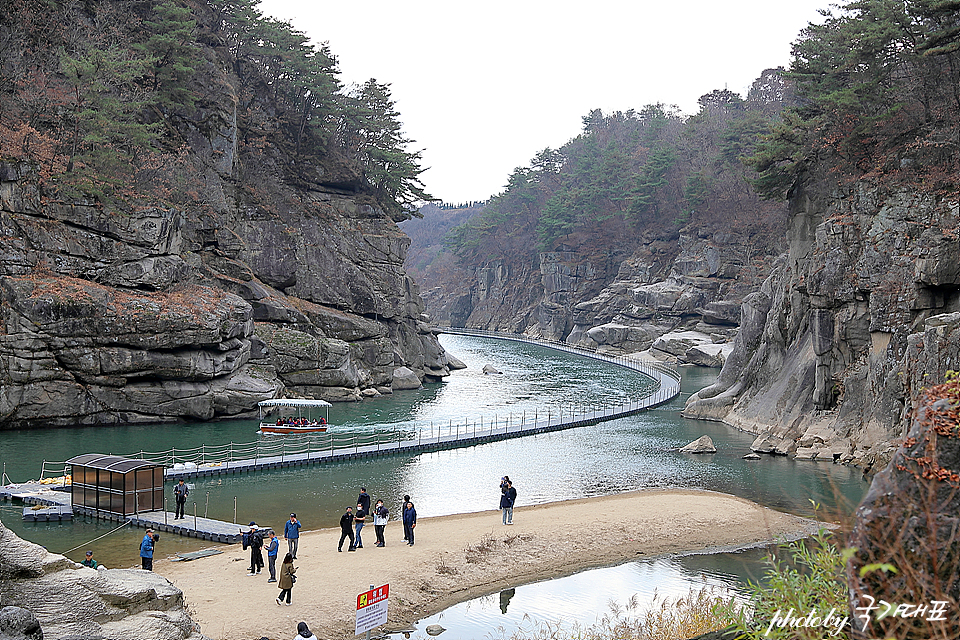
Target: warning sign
372	608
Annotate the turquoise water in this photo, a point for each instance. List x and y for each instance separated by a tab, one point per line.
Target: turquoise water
636	452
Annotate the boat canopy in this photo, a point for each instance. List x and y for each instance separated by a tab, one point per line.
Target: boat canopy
293	402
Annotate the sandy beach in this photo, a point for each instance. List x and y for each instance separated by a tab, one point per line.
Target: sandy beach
463	556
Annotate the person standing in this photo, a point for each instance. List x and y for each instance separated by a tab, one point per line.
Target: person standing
273	547
146	549
364	499
88	560
286	579
181	491
255	542
403	507
291	531
381	515
346	529
508	496
359	519
409	522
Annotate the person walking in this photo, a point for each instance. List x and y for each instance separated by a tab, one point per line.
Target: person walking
304	633
181	491
359	519
381	515
291	531
346	529
273	547
508	497
287	578
403	507
146	549
409	522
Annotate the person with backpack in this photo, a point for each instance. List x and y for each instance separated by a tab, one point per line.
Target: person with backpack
303	631
254	540
508	496
381	515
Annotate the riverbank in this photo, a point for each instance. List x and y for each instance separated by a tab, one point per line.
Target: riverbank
459	557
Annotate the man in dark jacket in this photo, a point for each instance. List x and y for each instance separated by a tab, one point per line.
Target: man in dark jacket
346	529
256	545
507	497
364	499
180	492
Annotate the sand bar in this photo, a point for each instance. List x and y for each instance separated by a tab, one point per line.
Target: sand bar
459	557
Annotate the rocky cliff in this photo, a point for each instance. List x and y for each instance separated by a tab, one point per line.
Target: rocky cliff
677	292
857	318
236	269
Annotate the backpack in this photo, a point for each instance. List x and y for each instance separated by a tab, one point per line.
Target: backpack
246	540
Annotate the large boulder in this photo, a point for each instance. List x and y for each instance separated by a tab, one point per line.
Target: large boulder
17	623
70	600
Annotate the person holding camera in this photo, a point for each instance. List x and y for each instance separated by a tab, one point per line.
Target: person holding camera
146	549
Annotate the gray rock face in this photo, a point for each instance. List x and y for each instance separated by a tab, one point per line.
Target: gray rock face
860	314
159	314
604	299
703	444
19	624
909	518
70	600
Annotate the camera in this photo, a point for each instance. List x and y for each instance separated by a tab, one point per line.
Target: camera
156	537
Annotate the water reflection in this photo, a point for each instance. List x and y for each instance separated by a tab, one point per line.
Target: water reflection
585	598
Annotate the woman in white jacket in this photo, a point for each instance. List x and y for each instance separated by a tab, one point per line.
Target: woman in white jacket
380	517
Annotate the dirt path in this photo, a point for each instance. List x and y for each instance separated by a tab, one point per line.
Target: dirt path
459	557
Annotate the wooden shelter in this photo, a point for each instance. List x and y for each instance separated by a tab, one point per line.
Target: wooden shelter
115	485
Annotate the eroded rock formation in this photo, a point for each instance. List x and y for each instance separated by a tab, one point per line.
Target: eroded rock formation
71	600
860	314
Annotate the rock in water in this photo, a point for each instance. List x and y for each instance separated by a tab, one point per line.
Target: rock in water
434	630
703	444
489	369
405	378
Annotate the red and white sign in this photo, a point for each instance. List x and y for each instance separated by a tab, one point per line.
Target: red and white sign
372	609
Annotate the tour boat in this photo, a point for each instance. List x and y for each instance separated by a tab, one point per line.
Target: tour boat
295	416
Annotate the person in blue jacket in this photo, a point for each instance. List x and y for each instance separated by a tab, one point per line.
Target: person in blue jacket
291	531
409	522
146	549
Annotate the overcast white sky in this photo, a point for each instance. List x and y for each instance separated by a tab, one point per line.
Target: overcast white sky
483	86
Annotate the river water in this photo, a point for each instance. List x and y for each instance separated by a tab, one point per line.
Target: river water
636	452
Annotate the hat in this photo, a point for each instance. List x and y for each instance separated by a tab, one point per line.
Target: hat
89	553
252	523
293	515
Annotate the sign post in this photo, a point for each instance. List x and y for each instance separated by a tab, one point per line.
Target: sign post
372	609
